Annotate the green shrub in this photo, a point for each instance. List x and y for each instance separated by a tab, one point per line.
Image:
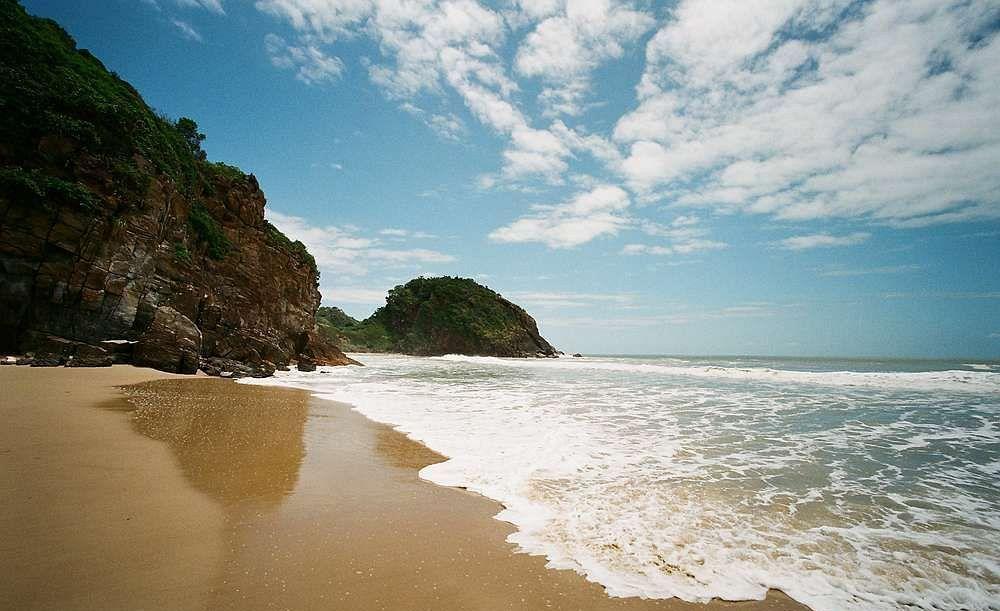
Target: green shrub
181	253
208	231
34	186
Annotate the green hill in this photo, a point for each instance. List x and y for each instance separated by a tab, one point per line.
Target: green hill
434	316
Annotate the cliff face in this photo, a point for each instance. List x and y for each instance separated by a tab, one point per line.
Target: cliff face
113	225
435	316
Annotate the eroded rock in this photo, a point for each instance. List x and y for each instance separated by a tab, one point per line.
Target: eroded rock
171	343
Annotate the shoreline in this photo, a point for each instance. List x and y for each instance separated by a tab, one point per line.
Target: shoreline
275	496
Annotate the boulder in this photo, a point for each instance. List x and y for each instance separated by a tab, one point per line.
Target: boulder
171	343
51	351
306	363
86	355
321	351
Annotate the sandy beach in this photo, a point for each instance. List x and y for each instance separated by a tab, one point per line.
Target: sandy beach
194	493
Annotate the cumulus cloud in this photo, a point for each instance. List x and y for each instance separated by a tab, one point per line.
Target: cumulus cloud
564	48
804	110
343	251
311	65
811	109
591	214
821	240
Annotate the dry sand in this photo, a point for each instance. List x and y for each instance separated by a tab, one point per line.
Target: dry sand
205	494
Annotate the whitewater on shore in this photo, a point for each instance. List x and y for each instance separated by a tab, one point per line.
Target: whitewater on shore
847	484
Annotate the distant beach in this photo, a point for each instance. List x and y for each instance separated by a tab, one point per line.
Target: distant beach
199	493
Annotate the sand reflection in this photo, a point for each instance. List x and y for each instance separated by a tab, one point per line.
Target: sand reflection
235	443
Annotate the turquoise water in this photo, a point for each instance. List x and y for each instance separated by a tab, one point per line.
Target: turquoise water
849	484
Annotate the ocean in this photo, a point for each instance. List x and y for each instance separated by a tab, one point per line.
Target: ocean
850	484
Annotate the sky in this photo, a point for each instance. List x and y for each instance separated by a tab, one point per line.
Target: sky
776	177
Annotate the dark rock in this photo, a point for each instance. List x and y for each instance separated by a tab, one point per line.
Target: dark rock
24	360
229	368
305	363
577	354
86	355
171	343
321	350
121	351
264	370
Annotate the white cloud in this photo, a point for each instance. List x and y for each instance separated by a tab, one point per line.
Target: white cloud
686	236
448	126
541	299
838	271
428	46
566	47
186	30
599	212
311	65
393	232
782	107
336	295
343	251
821	240
685	247
796	109
212	5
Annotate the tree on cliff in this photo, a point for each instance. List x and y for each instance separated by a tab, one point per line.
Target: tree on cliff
188	129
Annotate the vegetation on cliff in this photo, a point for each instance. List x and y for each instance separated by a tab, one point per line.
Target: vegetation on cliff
115	226
433	316
61	106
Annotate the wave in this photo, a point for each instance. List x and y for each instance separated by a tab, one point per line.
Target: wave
849	501
950	380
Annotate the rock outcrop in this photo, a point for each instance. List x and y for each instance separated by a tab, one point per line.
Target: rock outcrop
435	316
171	343
113	226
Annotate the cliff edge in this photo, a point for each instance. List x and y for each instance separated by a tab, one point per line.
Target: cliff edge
114	226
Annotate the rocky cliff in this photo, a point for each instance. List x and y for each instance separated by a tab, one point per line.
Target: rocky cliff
435	316
113	226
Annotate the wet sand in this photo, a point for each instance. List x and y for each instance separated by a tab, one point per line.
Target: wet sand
204	494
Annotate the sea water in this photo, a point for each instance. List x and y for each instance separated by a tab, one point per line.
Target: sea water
848	484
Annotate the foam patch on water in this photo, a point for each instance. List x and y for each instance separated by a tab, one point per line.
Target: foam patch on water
847	497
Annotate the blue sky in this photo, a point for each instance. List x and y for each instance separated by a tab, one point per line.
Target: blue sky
791	177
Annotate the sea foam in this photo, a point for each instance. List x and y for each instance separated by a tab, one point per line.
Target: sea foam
847	490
